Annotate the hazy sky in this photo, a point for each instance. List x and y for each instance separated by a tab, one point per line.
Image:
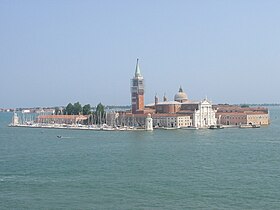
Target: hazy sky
56	52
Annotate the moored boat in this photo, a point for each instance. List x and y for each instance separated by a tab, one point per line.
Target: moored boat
189	128
170	128
216	126
249	126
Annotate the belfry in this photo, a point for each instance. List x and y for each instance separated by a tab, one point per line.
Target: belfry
137	91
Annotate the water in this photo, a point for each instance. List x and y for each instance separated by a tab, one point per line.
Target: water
182	169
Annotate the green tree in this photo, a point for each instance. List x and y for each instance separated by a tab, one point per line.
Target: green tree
77	108
86	109
69	109
100	113
56	111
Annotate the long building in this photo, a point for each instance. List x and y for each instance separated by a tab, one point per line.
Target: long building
61	119
236	115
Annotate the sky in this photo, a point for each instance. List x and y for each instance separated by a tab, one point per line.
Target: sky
56	52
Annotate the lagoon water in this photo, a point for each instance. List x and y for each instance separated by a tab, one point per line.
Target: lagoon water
163	169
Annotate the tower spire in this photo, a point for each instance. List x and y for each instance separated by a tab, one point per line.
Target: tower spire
137	70
137	91
181	89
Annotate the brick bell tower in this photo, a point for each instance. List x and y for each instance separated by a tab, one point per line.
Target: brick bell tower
137	91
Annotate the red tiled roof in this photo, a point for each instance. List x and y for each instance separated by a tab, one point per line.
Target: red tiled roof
231	113
240	113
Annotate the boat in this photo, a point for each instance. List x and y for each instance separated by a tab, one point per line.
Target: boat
108	129
189	128
249	126
216	127
220	126
59	137
158	127
170	128
213	127
121	128
94	127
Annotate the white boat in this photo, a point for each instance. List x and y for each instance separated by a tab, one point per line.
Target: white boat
158	127
108	128
95	128
216	127
189	128
170	128
249	126
121	128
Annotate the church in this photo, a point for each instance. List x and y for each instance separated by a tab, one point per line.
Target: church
179	113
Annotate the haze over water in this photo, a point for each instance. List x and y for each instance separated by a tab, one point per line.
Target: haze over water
208	169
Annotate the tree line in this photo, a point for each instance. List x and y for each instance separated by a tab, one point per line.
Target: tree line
96	116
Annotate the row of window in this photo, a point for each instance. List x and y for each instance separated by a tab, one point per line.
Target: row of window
182	120
228	117
244	117
257	117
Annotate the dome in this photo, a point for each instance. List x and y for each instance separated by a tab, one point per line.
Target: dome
181	96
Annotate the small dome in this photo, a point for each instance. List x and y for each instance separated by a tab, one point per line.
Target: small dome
181	96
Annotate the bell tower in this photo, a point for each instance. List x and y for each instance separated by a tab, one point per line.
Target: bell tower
137	91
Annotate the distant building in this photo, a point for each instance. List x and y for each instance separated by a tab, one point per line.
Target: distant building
61	119
172	120
236	115
204	116
181	112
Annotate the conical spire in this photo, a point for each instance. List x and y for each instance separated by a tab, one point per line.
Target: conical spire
137	71
181	89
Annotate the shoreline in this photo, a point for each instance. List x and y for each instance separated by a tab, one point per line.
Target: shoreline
90	128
